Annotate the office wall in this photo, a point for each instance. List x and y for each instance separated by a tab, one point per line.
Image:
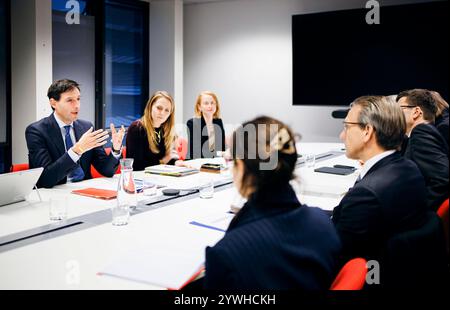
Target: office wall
242	50
3	73
31	66
166	50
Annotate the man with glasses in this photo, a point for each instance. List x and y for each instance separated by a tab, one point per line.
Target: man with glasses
389	194
425	145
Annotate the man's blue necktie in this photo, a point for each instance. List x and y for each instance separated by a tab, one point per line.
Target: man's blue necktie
76	174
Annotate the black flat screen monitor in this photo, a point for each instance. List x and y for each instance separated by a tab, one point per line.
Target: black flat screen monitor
338	57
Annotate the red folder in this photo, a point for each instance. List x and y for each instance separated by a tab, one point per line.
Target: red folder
197	275
98	193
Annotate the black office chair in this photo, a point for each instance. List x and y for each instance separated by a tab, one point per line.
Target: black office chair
417	258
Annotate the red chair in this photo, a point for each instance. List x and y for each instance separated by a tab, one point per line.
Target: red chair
444	215
352	276
95	174
19	167
181	147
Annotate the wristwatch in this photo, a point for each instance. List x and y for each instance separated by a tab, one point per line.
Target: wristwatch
116	152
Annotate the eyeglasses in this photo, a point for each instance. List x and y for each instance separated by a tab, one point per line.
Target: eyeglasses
407	106
347	124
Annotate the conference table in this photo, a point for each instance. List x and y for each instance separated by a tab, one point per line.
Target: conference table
164	241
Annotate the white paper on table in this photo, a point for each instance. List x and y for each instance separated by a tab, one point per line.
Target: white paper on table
323	191
219	221
166	267
189	182
324	203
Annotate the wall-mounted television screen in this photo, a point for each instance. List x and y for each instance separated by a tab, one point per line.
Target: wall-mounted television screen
338	57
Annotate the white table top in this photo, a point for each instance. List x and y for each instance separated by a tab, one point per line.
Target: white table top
72	261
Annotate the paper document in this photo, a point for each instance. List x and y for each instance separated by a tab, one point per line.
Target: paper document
216	222
170	170
323	191
165	267
324	203
190	182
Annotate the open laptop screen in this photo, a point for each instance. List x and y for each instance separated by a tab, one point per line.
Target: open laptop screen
16	186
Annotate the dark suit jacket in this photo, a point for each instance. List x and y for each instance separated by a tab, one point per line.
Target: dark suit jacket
275	243
198	146
46	149
390	199
427	148
442	125
139	149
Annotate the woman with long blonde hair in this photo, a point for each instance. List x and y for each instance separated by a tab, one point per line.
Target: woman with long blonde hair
441	121
150	139
205	130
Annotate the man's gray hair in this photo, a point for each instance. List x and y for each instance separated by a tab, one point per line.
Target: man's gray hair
386	118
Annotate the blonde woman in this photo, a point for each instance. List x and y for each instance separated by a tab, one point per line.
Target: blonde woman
150	139
441	120
205	131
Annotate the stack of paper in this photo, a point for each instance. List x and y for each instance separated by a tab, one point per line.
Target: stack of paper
165	267
170	170
323	191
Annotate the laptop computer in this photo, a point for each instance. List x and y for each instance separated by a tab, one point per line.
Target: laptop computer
16	186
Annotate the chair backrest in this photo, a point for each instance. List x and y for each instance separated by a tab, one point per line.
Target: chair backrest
417	258
352	276
444	215
181	147
443	210
19	167
95	174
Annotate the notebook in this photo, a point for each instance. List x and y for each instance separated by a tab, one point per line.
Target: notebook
170	170
98	193
212	168
333	170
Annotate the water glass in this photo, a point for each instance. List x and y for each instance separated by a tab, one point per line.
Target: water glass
310	160
120	214
148	187
206	189
58	208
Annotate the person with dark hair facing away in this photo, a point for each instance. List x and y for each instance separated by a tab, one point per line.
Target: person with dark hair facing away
274	242
441	121
205	131
66	146
150	140
426	146
389	196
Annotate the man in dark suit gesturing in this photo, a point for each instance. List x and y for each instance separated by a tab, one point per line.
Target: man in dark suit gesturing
389	196
65	146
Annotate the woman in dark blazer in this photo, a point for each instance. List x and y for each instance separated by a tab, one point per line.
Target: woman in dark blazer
274	242
150	140
441	121
205	131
